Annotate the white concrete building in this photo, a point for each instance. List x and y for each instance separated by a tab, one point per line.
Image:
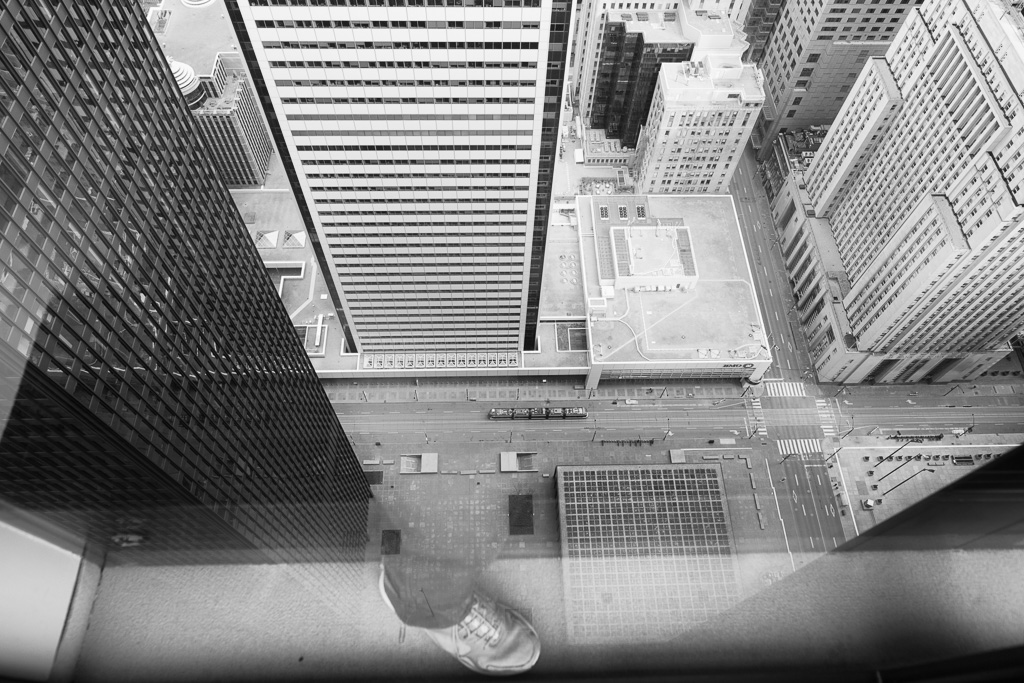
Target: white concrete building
923	189
701	118
422	140
668	290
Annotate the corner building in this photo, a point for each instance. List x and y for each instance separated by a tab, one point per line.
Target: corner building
154	399
921	181
421	135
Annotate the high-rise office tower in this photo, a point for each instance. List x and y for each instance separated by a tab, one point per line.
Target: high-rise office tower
421	136
701	115
814	55
922	181
231	124
635	46
154	398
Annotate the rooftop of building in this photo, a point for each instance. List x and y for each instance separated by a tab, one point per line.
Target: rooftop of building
235	75
703	80
194	35
276	228
596	143
562	293
656	27
800	146
713	315
705	22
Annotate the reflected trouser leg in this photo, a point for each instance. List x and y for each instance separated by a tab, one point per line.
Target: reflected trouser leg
428	592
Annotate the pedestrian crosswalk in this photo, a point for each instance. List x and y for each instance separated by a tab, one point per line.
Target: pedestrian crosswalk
828	426
759	425
798	446
784	389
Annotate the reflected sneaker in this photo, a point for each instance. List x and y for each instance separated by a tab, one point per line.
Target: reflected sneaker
491	639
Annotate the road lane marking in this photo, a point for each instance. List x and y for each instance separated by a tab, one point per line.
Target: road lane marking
812	542
778	509
804	508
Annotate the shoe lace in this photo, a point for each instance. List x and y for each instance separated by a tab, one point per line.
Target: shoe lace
482	622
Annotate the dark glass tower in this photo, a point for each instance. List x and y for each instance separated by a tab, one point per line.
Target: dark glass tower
154	397
626	77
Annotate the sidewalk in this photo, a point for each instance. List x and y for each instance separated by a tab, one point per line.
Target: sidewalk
933	461
1006	387
345	391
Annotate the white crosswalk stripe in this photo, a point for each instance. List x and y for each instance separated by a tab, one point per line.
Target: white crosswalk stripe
784	389
798	446
759	423
825	416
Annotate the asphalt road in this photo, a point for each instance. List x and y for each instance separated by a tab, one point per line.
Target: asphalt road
988	414
806	503
459	421
792	361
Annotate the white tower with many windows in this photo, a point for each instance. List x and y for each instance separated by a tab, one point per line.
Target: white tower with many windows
420	135
922	182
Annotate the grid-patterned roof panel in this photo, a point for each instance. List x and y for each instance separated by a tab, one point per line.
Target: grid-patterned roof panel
646	550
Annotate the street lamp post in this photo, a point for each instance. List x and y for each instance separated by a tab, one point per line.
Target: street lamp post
897	451
852	419
906	480
907	462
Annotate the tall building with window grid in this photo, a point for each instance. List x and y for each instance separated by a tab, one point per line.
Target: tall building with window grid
421	136
591	34
232	126
922	182
701	115
813	56
154	398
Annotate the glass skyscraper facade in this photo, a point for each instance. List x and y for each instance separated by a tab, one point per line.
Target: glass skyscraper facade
155	398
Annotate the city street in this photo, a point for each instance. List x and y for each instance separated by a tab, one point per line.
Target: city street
789	348
792	438
888	414
439	422
807	504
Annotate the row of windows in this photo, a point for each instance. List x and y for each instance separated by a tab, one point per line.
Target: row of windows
417	175
391	23
385	200
412	188
443	231
415	100
426	45
408	100
406	148
440	228
427	212
403	162
395	3
386	82
411	133
409	117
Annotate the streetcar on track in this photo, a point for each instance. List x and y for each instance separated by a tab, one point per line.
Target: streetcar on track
570	413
